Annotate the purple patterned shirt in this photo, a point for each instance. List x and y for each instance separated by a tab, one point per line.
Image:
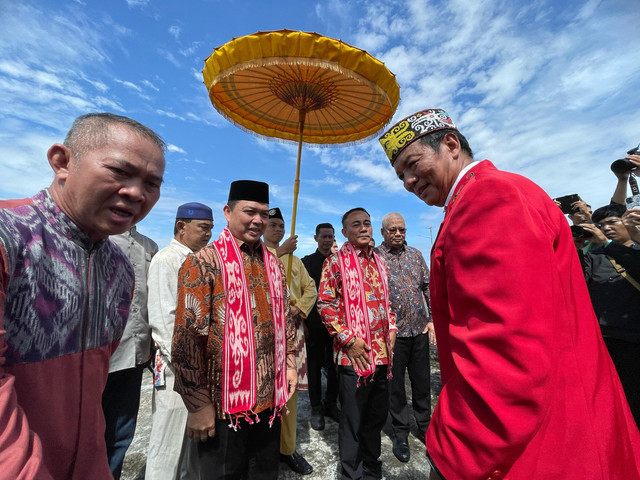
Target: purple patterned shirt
408	276
65	294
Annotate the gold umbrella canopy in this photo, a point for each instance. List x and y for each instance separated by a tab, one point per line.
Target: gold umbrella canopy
301	87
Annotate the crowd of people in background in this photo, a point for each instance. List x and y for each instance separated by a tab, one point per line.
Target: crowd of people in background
537	326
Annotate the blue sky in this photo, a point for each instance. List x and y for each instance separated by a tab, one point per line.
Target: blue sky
547	89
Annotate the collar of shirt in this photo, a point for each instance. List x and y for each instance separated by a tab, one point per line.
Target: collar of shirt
385	246
250	250
59	220
181	246
460	175
364	253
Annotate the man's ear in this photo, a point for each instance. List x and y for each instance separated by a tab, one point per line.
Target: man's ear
451	141
344	232
227	212
180	225
59	157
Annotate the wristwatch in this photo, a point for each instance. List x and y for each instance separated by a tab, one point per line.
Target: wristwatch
350	342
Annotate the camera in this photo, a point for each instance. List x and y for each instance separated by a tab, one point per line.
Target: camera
579	232
624	165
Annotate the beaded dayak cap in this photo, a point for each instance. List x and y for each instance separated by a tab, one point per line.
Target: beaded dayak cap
408	130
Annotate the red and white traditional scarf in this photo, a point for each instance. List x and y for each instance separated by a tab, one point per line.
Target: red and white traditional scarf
355	302
239	362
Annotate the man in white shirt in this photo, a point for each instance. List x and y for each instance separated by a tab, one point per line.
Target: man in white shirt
171	453
121	395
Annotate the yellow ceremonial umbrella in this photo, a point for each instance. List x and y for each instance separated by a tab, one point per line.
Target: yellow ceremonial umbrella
301	87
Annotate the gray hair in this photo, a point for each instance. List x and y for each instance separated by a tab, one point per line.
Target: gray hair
91	131
389	216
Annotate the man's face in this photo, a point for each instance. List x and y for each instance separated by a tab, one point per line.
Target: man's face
274	231
357	229
113	187
325	239
427	173
578	216
195	234
248	220
614	229
394	233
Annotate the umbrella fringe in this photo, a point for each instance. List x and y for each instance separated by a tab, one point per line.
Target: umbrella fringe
307	144
304	61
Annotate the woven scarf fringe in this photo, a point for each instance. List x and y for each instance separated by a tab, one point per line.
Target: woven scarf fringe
277	413
234	419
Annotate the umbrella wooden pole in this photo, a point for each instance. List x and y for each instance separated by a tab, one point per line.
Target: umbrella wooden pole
296	189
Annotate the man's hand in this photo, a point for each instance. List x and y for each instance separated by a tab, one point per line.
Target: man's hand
288	246
292	380
358	355
294	310
392	340
635	159
631	221
432	333
201	425
596	235
581	206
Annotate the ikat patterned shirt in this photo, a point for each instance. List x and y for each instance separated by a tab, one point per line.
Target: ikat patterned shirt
331	308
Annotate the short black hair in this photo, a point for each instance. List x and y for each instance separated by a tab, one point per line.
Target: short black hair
356	209
434	139
611	210
324	225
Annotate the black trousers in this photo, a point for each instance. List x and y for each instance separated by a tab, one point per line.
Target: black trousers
410	353
364	413
320	352
226	455
626	359
120	402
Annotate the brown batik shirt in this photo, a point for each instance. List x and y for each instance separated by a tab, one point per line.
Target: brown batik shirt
198	338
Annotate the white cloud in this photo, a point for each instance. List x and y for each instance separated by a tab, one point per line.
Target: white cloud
137	3
175	148
174	31
129	85
164	113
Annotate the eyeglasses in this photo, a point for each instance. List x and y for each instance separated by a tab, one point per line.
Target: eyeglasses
396	229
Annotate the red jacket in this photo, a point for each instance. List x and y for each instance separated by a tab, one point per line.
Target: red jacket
529	390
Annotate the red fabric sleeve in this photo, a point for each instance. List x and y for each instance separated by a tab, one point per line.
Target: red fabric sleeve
20	448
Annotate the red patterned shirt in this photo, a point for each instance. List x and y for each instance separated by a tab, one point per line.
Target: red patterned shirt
331	307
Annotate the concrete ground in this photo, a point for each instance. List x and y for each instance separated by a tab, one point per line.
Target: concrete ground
319	448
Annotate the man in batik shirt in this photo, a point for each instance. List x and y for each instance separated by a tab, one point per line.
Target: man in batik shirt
353	302
409	297
234	343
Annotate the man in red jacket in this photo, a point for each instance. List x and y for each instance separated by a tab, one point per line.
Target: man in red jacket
528	389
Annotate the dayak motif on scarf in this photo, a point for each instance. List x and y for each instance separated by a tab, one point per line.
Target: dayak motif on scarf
239	363
355	304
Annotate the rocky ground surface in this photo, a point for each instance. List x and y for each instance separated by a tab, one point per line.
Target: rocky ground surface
319	448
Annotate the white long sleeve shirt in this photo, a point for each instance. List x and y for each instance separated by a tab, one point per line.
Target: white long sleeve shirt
163	290
134	345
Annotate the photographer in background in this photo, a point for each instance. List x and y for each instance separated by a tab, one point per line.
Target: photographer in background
621	169
612	272
579	212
